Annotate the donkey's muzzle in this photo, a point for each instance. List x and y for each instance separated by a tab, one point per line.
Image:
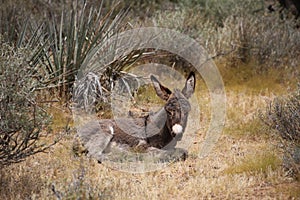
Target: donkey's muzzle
177	129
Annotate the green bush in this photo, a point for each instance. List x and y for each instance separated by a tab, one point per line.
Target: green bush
283	116
23	121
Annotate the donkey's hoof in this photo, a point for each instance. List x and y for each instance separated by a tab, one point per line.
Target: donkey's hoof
180	154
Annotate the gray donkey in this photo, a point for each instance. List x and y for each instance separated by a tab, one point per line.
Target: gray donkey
158	131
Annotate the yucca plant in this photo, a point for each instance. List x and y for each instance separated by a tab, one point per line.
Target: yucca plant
72	38
95	86
61	44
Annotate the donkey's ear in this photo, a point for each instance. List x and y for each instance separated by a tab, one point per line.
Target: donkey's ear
161	91
189	87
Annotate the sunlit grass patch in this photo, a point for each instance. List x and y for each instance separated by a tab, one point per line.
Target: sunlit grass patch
248	92
247	77
256	163
250	128
147	94
242	114
61	117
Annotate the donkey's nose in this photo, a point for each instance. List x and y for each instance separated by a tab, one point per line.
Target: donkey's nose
177	129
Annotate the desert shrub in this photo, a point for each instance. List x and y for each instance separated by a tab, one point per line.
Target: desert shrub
263	39
218	10
23	121
283	116
240	33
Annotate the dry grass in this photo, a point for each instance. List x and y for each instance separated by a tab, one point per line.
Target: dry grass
61	117
244	163
262	162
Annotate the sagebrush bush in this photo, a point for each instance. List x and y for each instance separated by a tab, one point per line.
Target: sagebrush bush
22	119
283	115
248	33
218	10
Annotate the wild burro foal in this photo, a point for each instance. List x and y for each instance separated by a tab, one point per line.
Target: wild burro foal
157	131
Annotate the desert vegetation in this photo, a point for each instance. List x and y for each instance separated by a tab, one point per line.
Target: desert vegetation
255	45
